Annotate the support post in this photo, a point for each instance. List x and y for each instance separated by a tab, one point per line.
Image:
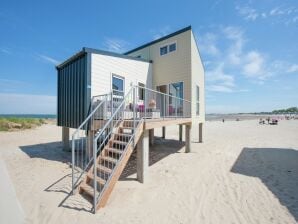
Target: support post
164	132
180	132
90	136
143	156
187	138
200	132
151	136
65	139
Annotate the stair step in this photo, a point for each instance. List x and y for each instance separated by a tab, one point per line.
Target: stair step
104	169
109	159
113	150
123	134
125	127
118	142
88	189
98	179
122	137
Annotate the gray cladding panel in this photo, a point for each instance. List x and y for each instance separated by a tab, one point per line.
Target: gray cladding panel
73	94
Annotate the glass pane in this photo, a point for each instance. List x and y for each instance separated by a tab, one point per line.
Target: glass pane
198	109
172	47
163	50
118	85
141	91
176	105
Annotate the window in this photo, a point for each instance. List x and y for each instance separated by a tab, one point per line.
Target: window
198	101
168	48
176	105
141	91
164	50
117	85
172	47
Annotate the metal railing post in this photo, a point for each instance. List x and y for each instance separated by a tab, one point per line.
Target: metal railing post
95	174
145	108
164	106
134	114
176	107
72	163
112	103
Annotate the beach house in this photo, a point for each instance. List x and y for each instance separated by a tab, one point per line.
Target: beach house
115	101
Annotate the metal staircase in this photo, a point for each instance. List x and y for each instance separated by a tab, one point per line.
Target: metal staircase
103	143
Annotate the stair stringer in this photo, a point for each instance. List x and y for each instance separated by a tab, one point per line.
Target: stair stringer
120	167
102	153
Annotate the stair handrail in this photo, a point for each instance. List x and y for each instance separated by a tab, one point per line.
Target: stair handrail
74	135
112	116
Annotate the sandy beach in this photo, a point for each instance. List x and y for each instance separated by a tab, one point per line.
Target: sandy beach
242	173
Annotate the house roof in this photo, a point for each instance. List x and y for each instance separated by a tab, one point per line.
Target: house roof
86	50
160	39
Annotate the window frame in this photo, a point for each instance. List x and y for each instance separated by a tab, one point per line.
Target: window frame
197	100
113	75
169	87
142	91
172	44
167	46
164	46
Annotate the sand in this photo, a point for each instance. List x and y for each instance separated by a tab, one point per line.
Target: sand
242	173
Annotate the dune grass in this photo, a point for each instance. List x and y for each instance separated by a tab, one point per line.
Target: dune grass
16	123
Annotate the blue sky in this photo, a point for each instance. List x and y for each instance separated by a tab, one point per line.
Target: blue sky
249	49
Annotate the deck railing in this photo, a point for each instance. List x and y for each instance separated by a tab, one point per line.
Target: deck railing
108	112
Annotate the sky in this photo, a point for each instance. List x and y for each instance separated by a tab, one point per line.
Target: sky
249	48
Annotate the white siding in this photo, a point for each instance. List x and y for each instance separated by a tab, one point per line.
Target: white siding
172	67
103	66
198	79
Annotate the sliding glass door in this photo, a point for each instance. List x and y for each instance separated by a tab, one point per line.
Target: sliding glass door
176	105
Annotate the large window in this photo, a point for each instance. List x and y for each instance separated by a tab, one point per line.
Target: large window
168	49
117	85
198	101
175	104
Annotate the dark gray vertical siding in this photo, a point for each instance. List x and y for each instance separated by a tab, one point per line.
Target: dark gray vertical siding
73	94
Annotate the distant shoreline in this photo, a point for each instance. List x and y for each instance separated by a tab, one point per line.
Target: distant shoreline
41	116
209	117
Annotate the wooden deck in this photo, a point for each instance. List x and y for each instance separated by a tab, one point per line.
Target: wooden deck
162	122
149	123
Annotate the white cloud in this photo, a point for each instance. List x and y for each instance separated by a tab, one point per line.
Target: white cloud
116	45
293	68
277	11
219	88
208	44
217	75
47	59
218	81
247	12
289	14
161	32
254	66
6	51
27	104
234	53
